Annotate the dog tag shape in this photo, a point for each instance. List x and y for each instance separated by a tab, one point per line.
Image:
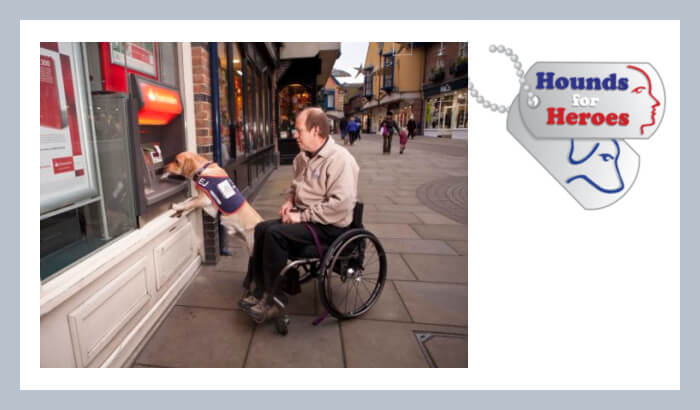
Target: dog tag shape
596	172
593	100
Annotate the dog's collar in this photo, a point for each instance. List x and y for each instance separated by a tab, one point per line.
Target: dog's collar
198	172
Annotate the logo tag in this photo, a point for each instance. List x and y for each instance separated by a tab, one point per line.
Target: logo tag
596	172
593	100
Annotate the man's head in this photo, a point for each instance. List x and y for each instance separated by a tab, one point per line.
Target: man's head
311	129
389	115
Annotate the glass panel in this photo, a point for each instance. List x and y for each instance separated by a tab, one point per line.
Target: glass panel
82	225
446	112
462	110
257	117
238	92
433	119
225	115
249	102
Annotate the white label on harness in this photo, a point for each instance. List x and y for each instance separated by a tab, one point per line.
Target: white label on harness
226	189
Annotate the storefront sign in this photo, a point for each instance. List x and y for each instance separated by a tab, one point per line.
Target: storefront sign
159	105
445	88
64	170
139	57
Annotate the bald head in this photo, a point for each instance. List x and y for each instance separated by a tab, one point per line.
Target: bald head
312	129
315	117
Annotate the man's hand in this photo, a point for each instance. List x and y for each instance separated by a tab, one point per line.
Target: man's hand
291	218
286	207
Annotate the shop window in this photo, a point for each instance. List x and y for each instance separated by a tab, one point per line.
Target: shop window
330	100
388	77
248	103
463	50
461	111
238	95
86	177
292	100
369	84
225	115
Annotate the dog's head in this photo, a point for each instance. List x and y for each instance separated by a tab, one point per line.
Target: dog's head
185	164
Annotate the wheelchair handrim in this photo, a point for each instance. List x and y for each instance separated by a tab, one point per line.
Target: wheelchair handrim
328	276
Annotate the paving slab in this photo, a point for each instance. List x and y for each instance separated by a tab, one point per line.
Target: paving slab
438	268
423	246
235	263
304	346
459	246
402	208
397	268
447	232
195	337
390	217
447	350
214	289
435	303
399	231
375	199
435	219
389	306
375	344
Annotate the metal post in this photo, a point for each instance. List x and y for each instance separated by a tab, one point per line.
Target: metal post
216	114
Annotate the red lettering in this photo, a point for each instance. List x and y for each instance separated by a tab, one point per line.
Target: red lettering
584	116
555	114
598	118
624	119
571	118
611	119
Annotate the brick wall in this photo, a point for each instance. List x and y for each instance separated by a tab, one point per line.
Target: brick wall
205	138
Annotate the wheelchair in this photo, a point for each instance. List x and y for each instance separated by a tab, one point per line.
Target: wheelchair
351	273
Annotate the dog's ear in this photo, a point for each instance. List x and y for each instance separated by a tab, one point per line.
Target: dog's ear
188	166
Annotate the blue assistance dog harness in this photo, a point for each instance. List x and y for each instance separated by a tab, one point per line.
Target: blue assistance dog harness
221	190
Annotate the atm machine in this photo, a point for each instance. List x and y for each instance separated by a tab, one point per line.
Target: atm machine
158	134
145	125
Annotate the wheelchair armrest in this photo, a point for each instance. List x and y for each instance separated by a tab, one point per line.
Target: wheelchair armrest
357	215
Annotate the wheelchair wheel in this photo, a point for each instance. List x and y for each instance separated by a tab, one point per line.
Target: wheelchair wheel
353	274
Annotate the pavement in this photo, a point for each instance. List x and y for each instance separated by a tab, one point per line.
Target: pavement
416	204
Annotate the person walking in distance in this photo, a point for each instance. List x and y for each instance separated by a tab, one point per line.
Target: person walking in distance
387	128
343	130
411	125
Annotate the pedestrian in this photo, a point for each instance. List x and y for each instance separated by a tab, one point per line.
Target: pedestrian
343	130
411	128
403	139
352	131
359	128
387	128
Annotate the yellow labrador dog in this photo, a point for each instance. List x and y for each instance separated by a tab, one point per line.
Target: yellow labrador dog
216	194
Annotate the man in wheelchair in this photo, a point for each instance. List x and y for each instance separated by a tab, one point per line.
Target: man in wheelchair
318	208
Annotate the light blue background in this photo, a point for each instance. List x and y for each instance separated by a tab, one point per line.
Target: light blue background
362	9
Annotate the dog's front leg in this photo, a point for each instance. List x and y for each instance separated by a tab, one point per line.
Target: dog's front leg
198	201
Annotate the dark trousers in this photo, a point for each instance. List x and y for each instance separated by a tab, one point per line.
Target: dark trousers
411	133
274	243
387	144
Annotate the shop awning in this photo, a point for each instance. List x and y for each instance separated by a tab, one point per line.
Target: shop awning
390	99
335	114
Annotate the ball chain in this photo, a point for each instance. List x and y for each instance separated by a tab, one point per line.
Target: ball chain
532	100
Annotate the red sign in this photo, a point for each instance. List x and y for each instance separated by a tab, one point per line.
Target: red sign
50	107
63	164
70	102
159	105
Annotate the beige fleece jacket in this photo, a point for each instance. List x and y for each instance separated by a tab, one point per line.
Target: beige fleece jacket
324	187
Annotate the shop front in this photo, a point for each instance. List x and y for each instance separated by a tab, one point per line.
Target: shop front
304	70
446	112
113	258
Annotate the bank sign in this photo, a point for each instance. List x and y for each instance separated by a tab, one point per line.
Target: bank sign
579	119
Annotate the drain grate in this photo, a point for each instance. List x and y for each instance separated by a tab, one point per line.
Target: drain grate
424	337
